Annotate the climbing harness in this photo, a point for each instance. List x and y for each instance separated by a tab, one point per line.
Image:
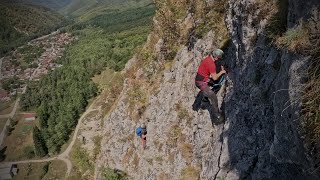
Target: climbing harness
217	85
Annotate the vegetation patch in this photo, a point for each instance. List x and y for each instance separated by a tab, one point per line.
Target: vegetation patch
295	39
28	54
159	158
278	22
113	174
311	96
190	173
82	159
110	83
19	142
187	151
97	146
183	113
175	135
11	83
304	39
137	99
45	170
212	15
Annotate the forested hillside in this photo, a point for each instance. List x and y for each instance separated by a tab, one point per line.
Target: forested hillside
52	4
63	95
78	8
19	23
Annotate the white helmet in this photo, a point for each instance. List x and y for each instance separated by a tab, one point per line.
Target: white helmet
143	125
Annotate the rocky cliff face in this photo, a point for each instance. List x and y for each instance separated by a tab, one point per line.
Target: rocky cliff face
263	104
260	137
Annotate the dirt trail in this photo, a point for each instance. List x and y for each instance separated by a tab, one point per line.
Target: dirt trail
64	156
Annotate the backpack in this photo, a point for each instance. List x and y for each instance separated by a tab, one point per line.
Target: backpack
139	131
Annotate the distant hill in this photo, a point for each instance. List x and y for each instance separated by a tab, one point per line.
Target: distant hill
20	22
77	8
52	4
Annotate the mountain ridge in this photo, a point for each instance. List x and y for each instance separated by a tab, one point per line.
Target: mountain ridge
22	22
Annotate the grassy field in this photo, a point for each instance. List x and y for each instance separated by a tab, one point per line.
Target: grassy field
110	84
57	170
45	171
6	107
20	143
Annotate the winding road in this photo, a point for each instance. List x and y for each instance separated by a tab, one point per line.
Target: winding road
64	156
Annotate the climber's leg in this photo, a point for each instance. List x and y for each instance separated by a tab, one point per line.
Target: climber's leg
213	99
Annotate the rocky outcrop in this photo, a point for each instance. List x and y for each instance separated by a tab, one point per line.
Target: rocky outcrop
178	137
260	137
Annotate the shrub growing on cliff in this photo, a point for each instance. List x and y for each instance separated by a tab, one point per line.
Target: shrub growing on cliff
190	173
278	22
112	174
212	18
295	39
311	90
82	159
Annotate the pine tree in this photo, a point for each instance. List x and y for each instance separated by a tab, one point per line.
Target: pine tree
39	144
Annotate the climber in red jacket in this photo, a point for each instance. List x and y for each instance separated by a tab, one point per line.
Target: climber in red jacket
207	70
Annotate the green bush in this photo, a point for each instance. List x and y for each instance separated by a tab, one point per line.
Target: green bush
278	22
111	174
82	159
29	152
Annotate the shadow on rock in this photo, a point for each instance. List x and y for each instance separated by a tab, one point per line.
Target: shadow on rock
202	102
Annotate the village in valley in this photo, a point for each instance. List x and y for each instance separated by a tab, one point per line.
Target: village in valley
31	62
27	63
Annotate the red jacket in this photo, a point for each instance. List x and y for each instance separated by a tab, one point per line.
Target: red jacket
205	69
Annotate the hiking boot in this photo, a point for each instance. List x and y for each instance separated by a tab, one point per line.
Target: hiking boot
205	99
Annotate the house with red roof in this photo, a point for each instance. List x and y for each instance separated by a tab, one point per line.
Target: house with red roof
29	116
